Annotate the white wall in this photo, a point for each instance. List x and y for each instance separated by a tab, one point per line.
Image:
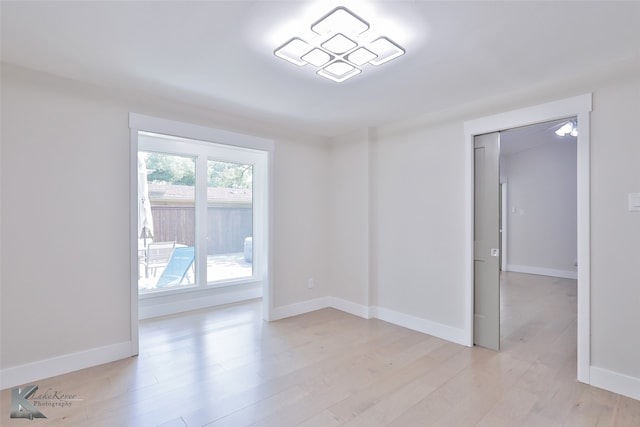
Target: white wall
349	213
420	223
300	222
615	238
65	223
542	232
65	216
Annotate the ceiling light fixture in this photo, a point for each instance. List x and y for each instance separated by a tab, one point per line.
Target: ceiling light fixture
317	57
339	71
569	128
338	20
339	46
360	56
293	50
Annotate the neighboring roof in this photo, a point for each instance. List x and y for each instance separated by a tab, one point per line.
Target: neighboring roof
165	192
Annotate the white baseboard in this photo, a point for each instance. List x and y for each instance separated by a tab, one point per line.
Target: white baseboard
299	308
565	274
320	303
615	382
35	371
350	307
425	326
151	307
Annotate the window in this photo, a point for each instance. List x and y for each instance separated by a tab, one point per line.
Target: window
198	214
229	220
166	219
202	208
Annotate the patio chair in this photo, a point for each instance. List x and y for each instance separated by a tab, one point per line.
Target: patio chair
178	268
158	255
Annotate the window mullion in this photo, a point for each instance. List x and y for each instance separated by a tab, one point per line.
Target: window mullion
201	220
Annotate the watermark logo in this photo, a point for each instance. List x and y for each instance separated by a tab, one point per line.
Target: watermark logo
25	403
21	407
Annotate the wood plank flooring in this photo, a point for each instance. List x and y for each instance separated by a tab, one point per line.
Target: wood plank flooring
226	367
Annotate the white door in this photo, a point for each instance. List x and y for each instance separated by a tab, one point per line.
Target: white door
486	239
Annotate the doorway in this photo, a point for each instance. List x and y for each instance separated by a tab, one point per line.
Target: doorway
539	164
579	107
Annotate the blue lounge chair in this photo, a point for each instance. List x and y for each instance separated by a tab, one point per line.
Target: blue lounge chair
178	267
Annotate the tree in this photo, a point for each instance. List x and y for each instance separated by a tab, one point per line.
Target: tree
229	175
171	169
181	170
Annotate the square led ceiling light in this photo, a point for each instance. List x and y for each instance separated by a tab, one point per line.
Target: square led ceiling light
339	44
293	50
340	20
339	71
337	51
385	49
317	57
360	56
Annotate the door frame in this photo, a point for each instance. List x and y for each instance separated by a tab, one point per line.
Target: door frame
580	107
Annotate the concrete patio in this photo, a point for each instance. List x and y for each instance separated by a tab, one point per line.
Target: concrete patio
219	267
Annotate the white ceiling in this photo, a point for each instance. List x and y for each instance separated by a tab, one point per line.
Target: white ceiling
219	54
526	137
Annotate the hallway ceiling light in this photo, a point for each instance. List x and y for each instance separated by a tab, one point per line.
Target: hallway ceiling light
569	128
339	45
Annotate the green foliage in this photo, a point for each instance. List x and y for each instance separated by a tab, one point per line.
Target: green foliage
171	169
179	170
229	175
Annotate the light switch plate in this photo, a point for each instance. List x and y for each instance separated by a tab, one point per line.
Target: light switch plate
634	201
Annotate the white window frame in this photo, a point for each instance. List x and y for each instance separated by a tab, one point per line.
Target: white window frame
201	141
203	152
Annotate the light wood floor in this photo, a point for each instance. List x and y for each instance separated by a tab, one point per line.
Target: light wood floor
225	367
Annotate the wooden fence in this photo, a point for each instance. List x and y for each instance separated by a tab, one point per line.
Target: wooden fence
227	227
